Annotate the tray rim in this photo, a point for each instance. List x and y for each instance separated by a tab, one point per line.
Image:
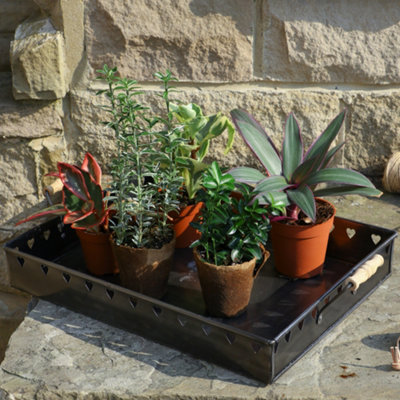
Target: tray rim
209	320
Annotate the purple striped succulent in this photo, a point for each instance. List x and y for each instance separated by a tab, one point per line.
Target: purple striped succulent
292	175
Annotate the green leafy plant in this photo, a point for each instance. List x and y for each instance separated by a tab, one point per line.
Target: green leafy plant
292	175
82	197
198	131
231	227
145	178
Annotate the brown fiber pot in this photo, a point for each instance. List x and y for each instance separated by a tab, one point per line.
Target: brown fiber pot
97	252
145	270
226	289
299	251
184	232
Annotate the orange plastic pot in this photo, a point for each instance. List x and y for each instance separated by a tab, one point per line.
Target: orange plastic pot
185	234
97	252
299	251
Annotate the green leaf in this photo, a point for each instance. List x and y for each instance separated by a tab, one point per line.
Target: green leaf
235	255
247	175
348	189
305	169
231	136
72	203
215	172
272	197
339	175
292	151
258	141
203	150
272	183
331	153
321	146
303	197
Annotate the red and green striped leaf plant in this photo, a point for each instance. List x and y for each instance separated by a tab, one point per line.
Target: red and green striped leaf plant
82	197
291	177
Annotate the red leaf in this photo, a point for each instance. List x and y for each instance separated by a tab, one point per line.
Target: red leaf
91	166
73	180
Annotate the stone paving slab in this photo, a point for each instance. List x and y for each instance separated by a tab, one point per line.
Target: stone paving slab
56	353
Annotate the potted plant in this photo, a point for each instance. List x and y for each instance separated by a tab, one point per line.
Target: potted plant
229	253
197	131
300	236
145	186
83	207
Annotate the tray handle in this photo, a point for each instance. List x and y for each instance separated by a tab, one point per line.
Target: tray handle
364	272
54	188
361	275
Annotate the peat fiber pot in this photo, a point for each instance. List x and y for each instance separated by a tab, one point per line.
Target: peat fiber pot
299	250
145	270
97	252
184	232
227	289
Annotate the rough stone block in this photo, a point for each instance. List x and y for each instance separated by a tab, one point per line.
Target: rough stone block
13	12
67	17
340	41
38	61
197	40
373	134
27	119
313	109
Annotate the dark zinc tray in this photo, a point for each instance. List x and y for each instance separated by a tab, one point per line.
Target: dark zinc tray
284	320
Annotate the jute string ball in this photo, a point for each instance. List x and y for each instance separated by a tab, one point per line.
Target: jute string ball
391	176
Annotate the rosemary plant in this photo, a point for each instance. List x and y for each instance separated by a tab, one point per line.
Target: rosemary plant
145	181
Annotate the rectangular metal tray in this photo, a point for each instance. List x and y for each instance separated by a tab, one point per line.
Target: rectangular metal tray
284	319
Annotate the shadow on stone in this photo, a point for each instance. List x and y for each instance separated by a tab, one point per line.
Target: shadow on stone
109	340
381	342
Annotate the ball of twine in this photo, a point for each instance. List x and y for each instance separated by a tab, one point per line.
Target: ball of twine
391	176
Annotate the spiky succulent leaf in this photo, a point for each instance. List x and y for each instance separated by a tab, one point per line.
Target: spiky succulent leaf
272	183
331	153
321	145
303	197
258	141
347	189
304	170
292	150
246	175
339	175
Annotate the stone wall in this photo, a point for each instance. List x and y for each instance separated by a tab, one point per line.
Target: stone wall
270	57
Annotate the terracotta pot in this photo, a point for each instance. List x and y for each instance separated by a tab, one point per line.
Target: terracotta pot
145	270
226	289
299	251
97	252
184	232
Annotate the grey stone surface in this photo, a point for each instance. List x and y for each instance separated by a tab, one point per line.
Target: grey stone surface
27	119
38	61
370	128
56	353
13	305
202	40
325	41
